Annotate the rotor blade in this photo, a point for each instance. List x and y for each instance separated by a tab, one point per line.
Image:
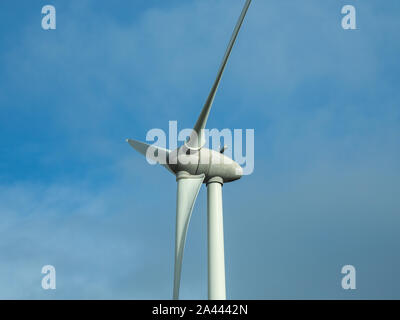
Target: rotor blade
197	140
152	153
188	189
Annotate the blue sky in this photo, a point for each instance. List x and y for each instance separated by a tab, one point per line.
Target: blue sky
324	103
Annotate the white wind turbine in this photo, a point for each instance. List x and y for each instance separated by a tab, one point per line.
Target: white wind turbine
193	164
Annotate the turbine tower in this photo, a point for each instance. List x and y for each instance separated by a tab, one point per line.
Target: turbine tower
193	165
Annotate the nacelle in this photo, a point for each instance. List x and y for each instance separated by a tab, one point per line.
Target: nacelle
211	163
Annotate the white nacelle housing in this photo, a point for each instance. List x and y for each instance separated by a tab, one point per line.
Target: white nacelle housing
211	163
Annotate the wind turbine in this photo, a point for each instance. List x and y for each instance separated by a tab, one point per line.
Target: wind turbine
193	165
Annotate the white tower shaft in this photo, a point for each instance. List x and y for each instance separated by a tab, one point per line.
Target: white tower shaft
216	259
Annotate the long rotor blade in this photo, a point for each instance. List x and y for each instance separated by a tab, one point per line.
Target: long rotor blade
152	153
188	189
197	139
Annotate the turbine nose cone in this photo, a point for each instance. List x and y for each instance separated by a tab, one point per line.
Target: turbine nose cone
235	172
238	171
